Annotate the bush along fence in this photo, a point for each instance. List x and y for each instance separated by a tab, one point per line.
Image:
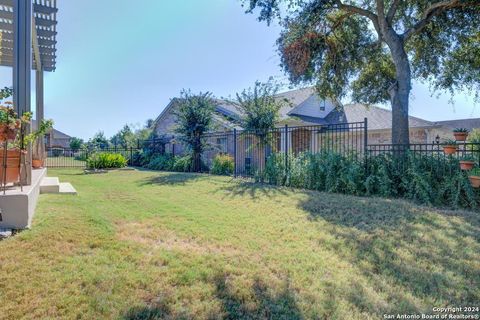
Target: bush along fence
331	158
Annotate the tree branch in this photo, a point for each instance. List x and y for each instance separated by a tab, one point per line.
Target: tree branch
391	12
380	9
372	16
432	11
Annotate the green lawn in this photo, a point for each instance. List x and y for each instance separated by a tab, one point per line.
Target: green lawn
149	245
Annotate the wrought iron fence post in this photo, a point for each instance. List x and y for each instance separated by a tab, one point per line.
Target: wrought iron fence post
138	144
235	153
131	155
365	143
286	149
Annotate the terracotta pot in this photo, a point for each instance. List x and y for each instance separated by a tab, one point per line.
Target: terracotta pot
11	134
474	181
37	163
466	164
460	136
449	149
13	166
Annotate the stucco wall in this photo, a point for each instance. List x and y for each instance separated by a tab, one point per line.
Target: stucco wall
417	135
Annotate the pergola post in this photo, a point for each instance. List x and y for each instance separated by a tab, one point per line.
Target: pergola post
39	150
22	64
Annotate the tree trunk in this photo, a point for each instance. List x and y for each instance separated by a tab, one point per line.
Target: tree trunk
399	91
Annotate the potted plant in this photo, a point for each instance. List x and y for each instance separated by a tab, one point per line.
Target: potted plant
474	178
449	147
467	162
9	122
36	138
10	158
460	134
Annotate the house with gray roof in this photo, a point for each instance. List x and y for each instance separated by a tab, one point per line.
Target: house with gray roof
305	108
55	138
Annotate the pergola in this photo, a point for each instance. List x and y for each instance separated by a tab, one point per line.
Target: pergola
28	41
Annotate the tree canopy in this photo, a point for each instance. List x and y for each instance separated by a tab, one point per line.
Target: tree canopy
76	144
371	49
98	141
124	138
259	108
194	113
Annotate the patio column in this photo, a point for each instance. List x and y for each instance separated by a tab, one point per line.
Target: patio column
22	64
39	150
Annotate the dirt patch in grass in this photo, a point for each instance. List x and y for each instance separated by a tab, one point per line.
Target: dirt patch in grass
150	234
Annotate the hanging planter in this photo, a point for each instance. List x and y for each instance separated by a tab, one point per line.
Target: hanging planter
460	134
449	147
467	162
467	165
474	178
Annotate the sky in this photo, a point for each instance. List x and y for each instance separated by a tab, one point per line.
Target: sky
121	61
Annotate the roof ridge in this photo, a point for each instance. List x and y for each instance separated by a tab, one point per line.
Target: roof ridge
387	110
293	90
463	119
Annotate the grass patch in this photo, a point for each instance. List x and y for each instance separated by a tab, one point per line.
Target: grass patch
150	245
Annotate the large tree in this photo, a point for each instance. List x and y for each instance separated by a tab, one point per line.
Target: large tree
372	49
194	114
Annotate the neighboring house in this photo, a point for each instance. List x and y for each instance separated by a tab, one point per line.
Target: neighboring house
55	138
305	114
444	128
305	108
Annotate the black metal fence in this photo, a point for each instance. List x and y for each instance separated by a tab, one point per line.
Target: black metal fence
433	154
250	150
70	158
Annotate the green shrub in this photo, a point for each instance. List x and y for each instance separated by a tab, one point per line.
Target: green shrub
183	164
82	156
163	162
222	165
426	179
106	161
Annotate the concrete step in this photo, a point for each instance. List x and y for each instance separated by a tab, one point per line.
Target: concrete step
50	185
67	188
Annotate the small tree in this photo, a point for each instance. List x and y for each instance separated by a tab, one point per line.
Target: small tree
98	141
194	114
124	137
259	108
76	144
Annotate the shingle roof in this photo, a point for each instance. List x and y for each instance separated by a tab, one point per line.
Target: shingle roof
301	111
294	98
470	124
56	134
378	118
